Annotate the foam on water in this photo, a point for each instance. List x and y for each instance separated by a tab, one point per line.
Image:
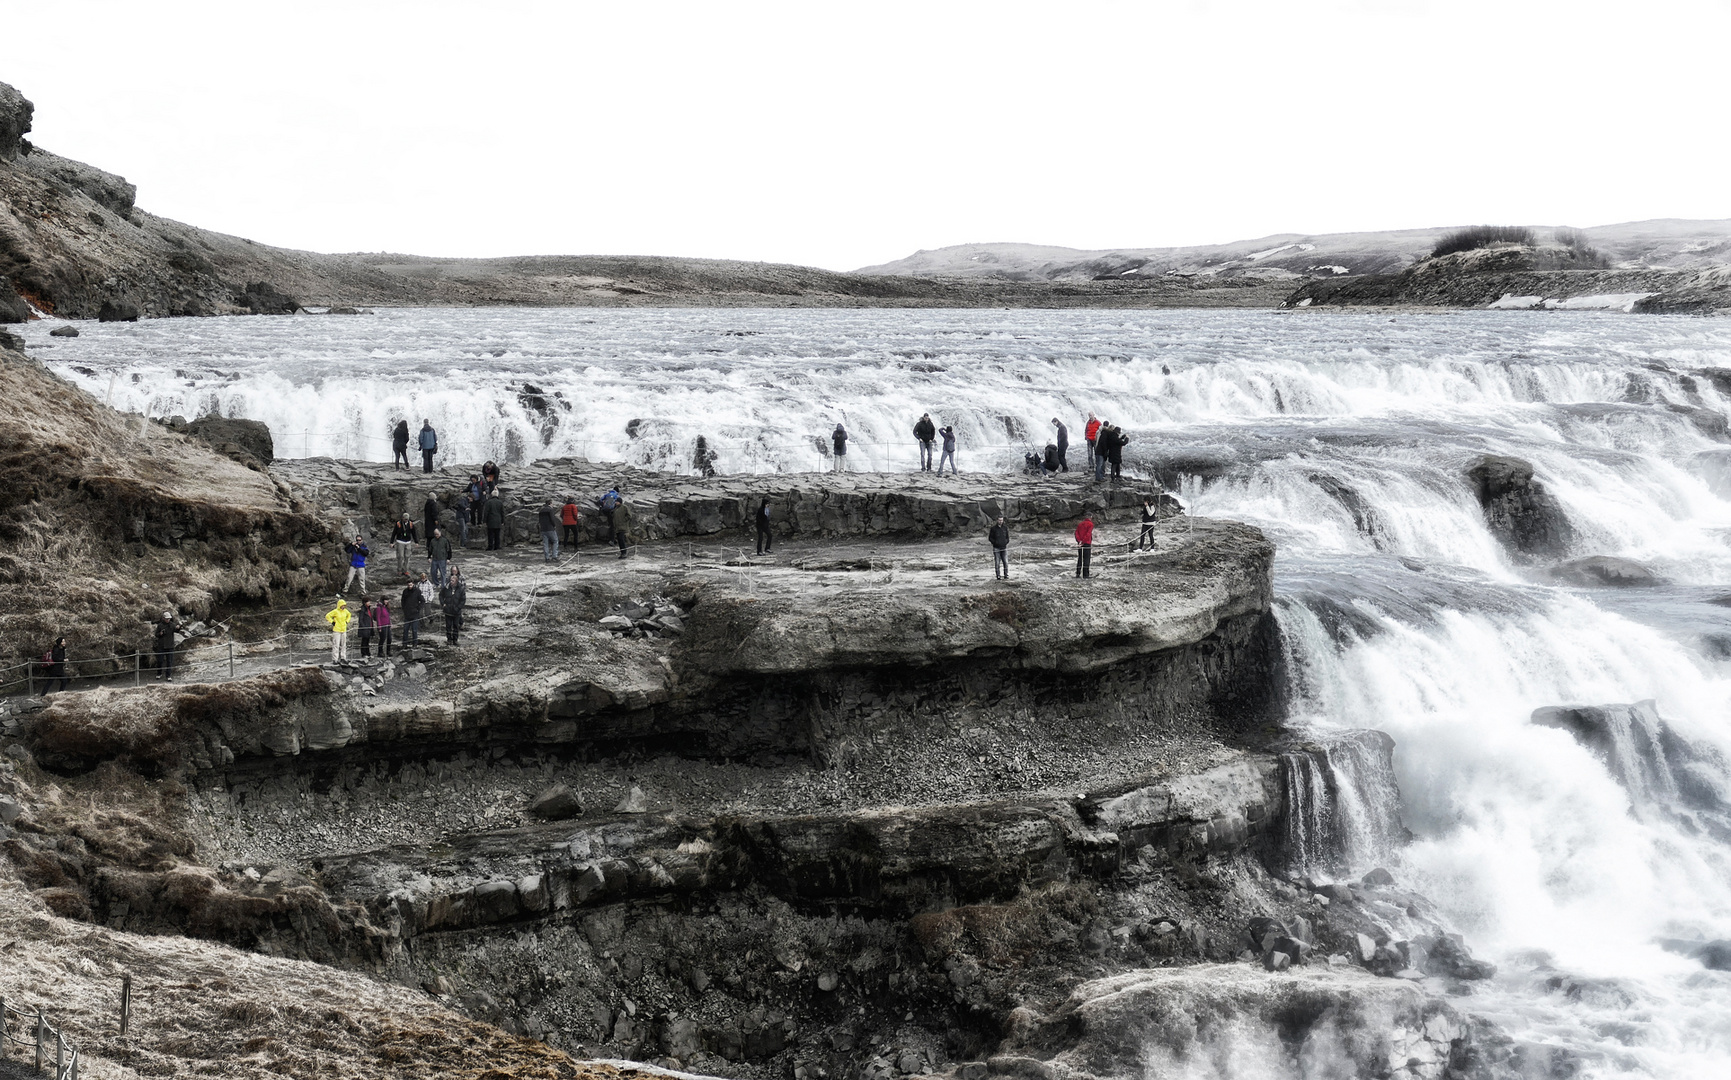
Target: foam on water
1344	435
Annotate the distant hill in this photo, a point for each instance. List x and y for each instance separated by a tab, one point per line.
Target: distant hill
1665	243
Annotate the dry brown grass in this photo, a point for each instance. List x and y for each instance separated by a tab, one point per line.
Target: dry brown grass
207	1010
107	521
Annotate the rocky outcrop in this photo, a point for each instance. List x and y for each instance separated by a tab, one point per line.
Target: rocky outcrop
1521	514
16	112
1604	570
246	441
112	193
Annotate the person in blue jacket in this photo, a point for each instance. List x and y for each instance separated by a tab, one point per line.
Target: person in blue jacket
429	445
357	551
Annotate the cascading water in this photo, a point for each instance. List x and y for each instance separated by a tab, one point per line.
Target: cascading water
1347	436
1341	803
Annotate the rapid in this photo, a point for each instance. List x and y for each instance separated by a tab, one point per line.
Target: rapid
1345	436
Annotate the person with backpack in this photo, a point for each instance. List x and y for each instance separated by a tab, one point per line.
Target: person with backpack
1115	452
1101	444
411	609
464	509
838	438
429	445
452	599
368	615
607	504
547	520
382	622
402	541
622	526
1092	433
569	518
162	641
357	552
439	555
765	537
999	537
55	661
400	446
490	477
948	434
493	513
1149	517
1063	445
338	618
477	496
925	432
1084	543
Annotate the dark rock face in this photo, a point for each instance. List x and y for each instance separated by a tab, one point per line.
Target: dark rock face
13	309
246	441
1518	509
263	298
1664	773
1604	570
109	191
15	115
1714	955
117	311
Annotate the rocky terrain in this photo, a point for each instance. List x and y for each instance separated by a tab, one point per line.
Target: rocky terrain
850	809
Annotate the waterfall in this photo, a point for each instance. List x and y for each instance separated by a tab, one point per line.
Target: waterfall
1341	803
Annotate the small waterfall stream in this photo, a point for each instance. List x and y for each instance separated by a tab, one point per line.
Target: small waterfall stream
1341	804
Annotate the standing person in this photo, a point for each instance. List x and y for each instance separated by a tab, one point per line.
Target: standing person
569	517
57	666
949	436
838	437
382	620
1115	453
1084	543
494	515
439	555
1091	433
1149	517
411	610
765	538
925	432
429	445
400	446
999	536
451	600
622	525
1063	445
464	511
547	520
430	516
368	617
357	551
162	640
477	496
339	617
403	541
429	597
1097	449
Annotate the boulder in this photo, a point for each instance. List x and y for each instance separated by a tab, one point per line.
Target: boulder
16	112
121	311
13	309
64	331
1378	879
1604	570
556	804
263	298
1447	955
1520	513
633	802
245	441
1714	955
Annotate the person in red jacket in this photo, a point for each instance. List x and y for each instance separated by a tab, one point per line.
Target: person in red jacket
1084	543
1091	432
569	517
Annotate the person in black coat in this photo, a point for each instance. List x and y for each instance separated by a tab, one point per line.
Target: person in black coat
1115	452
413	603
765	537
999	537
925	431
162	641
400	445
57	666
430	515
452	599
838	438
493	513
1063	445
1149	517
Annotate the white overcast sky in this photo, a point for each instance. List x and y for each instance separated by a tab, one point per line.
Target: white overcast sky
840	135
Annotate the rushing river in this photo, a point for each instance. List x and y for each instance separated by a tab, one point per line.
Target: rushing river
1400	611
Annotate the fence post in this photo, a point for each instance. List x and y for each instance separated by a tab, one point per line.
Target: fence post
30	678
5	1039
59	1055
125	1003
41	1026
231	659
137	668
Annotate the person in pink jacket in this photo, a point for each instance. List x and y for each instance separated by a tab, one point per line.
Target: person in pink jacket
1084	543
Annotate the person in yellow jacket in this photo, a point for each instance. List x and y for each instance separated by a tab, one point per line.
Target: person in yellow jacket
339	617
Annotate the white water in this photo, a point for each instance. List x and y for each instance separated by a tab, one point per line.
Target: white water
1407	617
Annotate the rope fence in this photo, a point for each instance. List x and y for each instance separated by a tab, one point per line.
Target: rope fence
41	1035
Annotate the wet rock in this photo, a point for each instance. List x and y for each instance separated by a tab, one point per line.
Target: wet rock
1378	878
63	331
1664	773
263	298
1448	955
1714	955
556	804
1520	513
1604	570
117	311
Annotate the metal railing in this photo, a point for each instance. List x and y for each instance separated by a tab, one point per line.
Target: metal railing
41	1035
